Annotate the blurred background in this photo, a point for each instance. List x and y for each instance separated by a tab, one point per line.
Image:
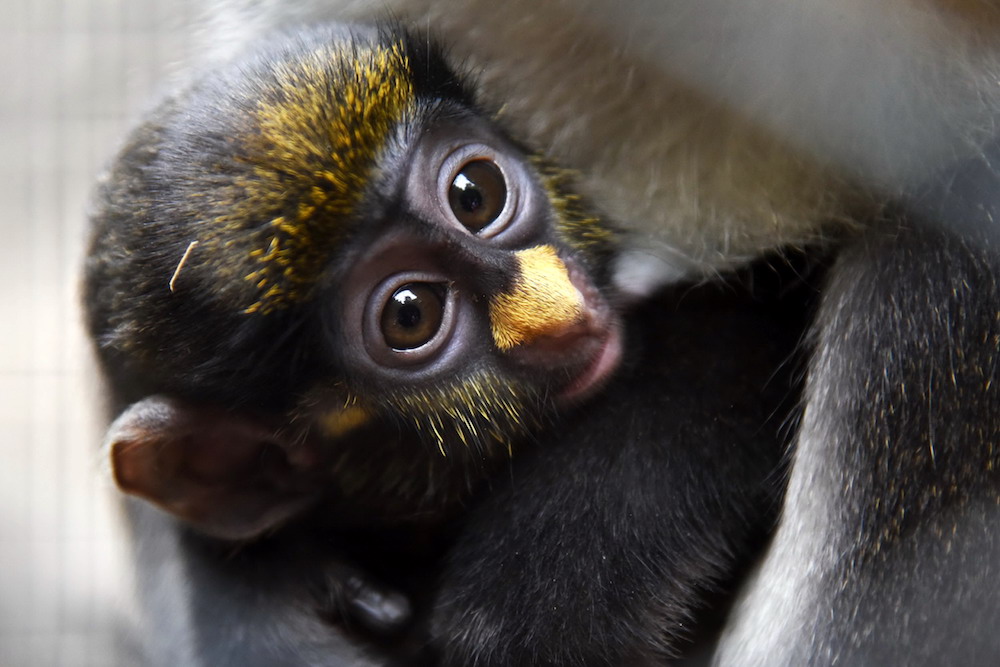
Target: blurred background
73	75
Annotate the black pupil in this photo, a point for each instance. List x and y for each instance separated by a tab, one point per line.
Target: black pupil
470	199
408	315
413	315
477	194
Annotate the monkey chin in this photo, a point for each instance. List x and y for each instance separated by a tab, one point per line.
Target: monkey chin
598	370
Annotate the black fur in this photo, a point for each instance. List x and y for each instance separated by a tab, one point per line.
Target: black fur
894	499
602	544
139	237
921	480
599	545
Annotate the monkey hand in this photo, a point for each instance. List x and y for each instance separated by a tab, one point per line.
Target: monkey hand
351	597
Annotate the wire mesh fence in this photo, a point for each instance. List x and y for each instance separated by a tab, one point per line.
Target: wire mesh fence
73	74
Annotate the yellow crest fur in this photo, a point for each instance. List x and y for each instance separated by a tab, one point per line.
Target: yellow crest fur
312	145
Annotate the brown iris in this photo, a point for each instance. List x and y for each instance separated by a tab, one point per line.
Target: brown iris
477	194
413	315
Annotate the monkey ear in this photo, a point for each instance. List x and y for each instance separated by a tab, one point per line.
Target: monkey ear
226	474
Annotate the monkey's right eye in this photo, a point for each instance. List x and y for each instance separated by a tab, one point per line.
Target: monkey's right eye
478	187
413	315
477	195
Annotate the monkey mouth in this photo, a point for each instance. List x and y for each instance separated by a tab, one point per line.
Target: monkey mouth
600	348
599	367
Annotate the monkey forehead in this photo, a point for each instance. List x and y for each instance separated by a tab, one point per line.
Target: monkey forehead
324	113
295	151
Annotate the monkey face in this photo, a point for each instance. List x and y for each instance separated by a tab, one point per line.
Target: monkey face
330	230
471	293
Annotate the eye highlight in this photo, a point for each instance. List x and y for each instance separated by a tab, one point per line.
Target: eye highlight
477	194
413	315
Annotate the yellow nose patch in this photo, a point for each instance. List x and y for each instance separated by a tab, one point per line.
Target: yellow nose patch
542	300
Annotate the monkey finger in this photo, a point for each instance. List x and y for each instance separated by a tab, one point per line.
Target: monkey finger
349	596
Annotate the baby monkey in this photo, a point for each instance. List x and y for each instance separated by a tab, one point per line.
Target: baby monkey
337	305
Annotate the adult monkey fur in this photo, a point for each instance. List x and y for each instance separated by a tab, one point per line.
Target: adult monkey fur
892	460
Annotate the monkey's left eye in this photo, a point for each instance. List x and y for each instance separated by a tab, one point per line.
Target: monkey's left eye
413	315
408	319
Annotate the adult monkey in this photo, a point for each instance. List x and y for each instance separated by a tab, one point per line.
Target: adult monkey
917	480
728	128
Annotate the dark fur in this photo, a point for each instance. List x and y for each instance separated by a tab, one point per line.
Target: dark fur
602	541
920	480
598	546
601	545
903	376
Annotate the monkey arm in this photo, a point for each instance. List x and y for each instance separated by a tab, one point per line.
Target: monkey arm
599	544
889	551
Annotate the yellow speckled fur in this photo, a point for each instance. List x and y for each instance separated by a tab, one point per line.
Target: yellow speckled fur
300	146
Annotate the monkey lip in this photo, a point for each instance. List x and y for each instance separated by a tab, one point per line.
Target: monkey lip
598	369
600	346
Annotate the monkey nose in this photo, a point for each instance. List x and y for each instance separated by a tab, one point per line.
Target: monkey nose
542	302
